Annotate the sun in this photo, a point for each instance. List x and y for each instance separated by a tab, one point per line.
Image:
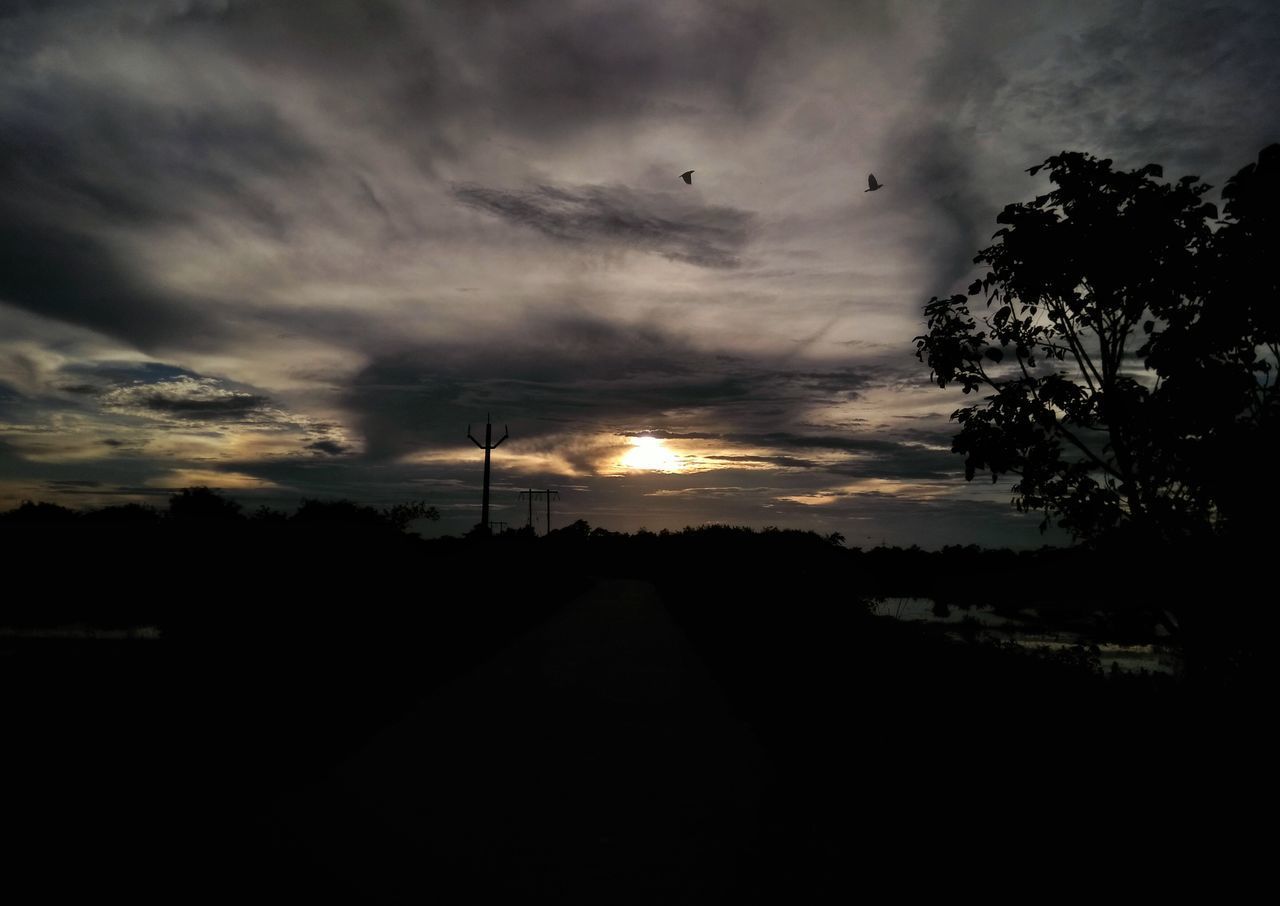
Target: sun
650	454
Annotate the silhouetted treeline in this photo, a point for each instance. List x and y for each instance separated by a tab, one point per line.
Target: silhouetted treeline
204	565
126	564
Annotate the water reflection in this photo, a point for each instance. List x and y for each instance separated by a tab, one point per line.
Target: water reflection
79	631
1028	629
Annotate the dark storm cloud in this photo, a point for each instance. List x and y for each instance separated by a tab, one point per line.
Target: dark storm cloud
587	65
939	434
945	185
81	389
384	65
1169	85
329	447
414	71
188	398
817	442
785	462
603	62
81	150
659	222
78	162
905	462
229	407
573	371
1160	83
67	275
870	457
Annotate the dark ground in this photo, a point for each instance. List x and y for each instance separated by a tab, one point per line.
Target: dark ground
678	735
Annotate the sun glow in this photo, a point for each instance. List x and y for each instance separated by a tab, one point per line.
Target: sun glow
650	454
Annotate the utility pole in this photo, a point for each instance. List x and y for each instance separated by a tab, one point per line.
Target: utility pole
548	493
488	446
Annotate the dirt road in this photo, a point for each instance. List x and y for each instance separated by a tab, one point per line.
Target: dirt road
593	761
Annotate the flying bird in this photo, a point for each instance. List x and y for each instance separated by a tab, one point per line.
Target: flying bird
871	181
687	176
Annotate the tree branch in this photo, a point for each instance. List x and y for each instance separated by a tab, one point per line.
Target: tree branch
1083	362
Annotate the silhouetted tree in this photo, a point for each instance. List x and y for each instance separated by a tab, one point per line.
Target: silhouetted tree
327	513
579	529
1218	360
401	514
350	516
1129	349
125	515
30	513
204	506
265	515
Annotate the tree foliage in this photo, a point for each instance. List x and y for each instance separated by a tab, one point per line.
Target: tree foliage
203	505
1127	340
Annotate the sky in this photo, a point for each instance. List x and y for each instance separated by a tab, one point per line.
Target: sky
294	250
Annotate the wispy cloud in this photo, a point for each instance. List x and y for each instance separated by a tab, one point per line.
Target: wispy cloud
662	223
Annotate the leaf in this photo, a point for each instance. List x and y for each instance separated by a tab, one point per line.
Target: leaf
1036	169
995	354
1148	326
975	287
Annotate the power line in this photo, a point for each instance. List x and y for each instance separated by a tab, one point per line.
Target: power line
547	493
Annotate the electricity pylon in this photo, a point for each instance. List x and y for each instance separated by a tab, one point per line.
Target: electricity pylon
547	493
488	446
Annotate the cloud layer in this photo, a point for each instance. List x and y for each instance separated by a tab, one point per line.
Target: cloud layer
297	248
618	217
